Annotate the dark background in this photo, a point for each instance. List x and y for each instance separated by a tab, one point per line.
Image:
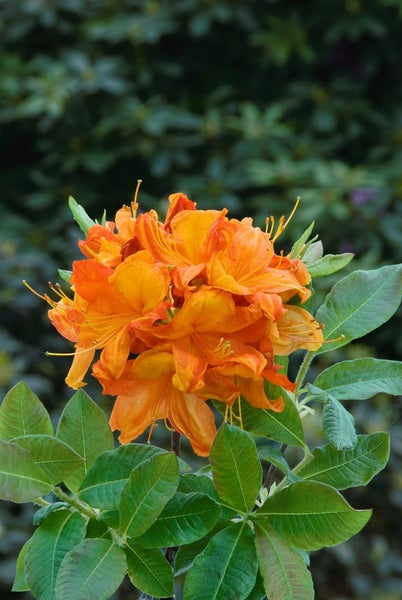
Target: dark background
239	104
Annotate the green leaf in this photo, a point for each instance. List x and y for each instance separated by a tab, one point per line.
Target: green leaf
300	243
193	482
80	216
20	585
85	428
358	304
338	424
56	536
311	515
226	569
274	456
328	264
44	511
284	427
312	252
93	570
185	519
146	492
65	275
21	480
149	571
258	591
361	378
283	569
106	478
22	413
55	457
236	469
350	467
97	529
186	553
111	518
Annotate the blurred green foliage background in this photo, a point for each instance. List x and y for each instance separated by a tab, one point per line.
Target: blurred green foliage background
239	104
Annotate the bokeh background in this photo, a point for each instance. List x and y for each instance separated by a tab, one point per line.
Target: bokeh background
239	104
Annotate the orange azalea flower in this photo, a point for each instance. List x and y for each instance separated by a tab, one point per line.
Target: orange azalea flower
110	305
149	394
201	300
297	329
200	332
182	243
245	264
104	243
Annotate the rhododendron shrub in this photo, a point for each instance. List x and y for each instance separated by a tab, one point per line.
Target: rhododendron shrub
188	322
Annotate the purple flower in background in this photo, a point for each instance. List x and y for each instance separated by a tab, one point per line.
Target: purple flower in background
361	196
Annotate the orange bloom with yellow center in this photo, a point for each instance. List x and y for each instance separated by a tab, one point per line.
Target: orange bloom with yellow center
110	303
183	311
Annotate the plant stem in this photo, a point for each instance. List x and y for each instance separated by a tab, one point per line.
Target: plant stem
272	469
41	502
175	443
306	362
84	509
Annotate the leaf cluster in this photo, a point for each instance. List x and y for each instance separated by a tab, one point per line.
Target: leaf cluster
110	511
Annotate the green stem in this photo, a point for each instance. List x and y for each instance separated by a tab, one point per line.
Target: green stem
84	509
305	460
41	502
306	362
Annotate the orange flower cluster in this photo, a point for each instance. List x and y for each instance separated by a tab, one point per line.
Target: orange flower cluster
183	311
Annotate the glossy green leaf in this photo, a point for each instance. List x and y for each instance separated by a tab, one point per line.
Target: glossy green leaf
350	467
21	480
44	511
22	413
85	428
148	489
284	570
311	515
258	591
111	518
236	469
50	543
338	424
358	304
106	478
185	519
80	216
226	569
55	457
20	585
149	571
361	378
274	456
93	570
328	264
284	427
98	529
186	553
299	244
192	482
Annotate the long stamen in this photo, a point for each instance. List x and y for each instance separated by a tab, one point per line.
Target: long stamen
153	425
240	415
282	223
56	289
44	297
167	425
134	203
